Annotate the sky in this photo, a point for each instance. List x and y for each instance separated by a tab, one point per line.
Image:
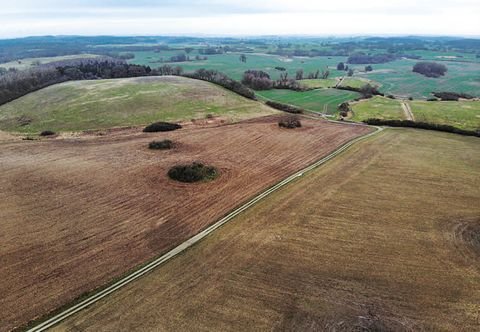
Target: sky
20	18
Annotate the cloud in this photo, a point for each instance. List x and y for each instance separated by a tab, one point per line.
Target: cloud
247	17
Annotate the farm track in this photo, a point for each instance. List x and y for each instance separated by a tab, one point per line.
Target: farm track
408	111
77	212
340	82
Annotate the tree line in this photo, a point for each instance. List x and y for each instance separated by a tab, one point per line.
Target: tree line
422	125
14	84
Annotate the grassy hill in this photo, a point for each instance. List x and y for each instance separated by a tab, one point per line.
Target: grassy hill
82	105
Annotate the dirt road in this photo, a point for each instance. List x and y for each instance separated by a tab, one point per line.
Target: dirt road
408	111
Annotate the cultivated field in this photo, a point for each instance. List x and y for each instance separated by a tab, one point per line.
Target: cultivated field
394	77
321	100
33	62
319	83
355	82
397	78
461	114
231	65
382	238
75	213
82	105
379	108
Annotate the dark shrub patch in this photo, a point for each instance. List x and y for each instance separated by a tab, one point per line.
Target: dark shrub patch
289	122
453	96
47	133
161	126
422	125
430	69
285	107
161	145
193	172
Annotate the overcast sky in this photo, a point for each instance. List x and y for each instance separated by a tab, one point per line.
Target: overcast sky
243	17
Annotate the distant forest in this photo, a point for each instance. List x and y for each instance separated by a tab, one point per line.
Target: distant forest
381	49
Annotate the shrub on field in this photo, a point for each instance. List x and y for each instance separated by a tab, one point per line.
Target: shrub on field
453	96
391	96
430	69
193	172
432	99
161	126
290	122
257	80
161	145
344	108
285	107
47	133
422	125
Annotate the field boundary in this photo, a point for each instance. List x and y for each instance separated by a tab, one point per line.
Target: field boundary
136	274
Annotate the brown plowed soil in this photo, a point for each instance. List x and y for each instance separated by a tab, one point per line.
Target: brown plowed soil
359	244
75	213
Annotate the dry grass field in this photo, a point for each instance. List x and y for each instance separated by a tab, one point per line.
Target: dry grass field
75	213
384	237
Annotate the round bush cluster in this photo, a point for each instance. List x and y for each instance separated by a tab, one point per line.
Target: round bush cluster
161	145
193	172
161	126
290	122
47	133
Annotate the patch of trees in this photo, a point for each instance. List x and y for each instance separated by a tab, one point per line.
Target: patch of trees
104	70
257	80
285	107
287	83
15	84
166	144
161	126
317	74
430	69
280	68
181	57
367	91
211	50
168	70
216	77
289	122
368	68
341	66
361	58
260	80
422	125
308	53
343	109
193	172
454	96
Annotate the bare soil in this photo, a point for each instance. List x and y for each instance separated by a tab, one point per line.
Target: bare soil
383	237
75	213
